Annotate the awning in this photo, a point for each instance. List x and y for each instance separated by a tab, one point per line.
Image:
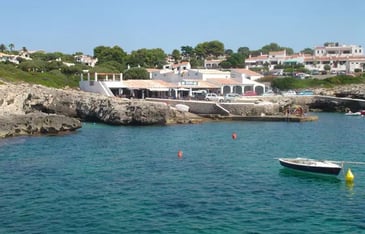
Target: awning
291	61
182	89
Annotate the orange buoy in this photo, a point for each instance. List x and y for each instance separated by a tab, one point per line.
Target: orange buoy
234	136
179	154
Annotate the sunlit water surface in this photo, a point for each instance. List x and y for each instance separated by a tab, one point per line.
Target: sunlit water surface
107	179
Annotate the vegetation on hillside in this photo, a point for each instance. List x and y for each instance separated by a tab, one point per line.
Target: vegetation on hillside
294	83
11	73
59	70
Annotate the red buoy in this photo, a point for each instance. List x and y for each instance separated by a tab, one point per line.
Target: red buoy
180	154
234	136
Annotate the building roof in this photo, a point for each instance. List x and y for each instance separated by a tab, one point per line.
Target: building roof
281	52
334	58
260	57
147	84
209	71
246	72
180	64
152	69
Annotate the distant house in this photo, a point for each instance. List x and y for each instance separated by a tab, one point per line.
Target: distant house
339	57
14	58
177	67
347	58
212	63
86	59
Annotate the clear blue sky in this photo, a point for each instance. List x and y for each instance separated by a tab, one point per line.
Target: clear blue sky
69	26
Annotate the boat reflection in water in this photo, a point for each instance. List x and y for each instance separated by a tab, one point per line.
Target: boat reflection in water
309	176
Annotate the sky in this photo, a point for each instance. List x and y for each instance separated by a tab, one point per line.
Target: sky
71	26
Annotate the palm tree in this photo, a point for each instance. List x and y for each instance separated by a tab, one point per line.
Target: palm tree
24	49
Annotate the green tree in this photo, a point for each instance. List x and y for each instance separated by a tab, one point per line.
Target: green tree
34	65
54	65
211	48
270	47
176	55
236	60
327	67
228	52
215	48
187	51
196	63
147	58
2	47
200	51
307	51
106	54
71	70
111	67
39	56
225	64
275	47
245	51
135	73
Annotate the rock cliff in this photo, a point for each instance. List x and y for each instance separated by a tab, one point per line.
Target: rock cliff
34	109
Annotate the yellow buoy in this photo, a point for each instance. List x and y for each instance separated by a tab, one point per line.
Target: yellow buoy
349	176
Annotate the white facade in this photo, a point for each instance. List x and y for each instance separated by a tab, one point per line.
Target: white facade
178	67
241	74
337	50
347	58
205	74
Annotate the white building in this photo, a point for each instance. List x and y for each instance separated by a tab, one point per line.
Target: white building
270	60
339	57
347	58
237	80
177	67
14	58
86	59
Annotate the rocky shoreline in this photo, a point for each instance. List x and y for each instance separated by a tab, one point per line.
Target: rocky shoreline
27	109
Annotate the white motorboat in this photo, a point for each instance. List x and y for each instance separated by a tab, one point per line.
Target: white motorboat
311	165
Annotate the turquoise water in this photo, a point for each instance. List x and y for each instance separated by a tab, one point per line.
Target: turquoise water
105	179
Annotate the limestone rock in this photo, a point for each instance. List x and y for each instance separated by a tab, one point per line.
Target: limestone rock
23	99
35	124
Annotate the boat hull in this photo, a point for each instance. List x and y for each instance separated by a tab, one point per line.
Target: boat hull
182	107
329	170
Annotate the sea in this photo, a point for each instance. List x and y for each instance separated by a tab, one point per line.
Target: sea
129	179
